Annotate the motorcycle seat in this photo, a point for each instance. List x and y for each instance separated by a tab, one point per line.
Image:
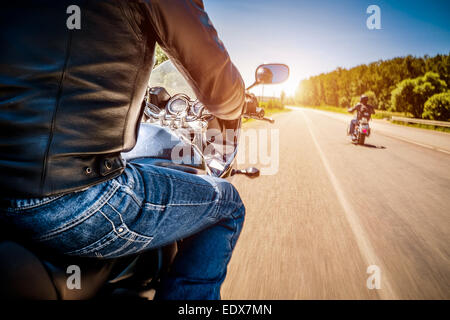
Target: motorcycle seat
24	275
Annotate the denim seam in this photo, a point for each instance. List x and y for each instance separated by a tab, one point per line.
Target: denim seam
182	180
217	201
89	248
130	192
148	239
235	229
31	206
220	202
119	250
123	247
129	242
215	214
162	207
136	234
190	204
237	210
91	211
156	206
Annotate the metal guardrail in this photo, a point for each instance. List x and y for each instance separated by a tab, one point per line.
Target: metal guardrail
421	121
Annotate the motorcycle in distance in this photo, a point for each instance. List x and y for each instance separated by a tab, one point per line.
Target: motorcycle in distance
361	131
174	123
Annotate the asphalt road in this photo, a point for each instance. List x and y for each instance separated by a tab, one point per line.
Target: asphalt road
333	209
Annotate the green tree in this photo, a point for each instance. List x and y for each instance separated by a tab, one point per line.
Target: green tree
355	100
438	107
380	77
160	56
402	97
410	95
343	102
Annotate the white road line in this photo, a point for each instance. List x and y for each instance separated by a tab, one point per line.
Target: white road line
364	245
414	142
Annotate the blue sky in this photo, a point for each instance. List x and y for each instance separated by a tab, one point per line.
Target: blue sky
319	36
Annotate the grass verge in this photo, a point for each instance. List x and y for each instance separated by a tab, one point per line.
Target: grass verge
422	126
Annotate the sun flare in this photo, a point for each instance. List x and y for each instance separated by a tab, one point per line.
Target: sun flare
274	90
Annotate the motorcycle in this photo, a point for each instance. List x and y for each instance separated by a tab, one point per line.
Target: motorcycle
361	131
175	132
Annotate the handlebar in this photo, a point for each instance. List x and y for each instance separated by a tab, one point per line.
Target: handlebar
268	119
253	111
258	115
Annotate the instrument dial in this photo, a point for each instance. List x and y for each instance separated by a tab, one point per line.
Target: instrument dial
197	108
177	105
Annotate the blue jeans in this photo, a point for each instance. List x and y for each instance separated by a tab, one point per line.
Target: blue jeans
352	126
144	208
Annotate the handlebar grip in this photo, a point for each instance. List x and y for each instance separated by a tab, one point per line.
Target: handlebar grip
268	119
260	112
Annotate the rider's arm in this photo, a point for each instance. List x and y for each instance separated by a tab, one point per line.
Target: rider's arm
185	33
352	109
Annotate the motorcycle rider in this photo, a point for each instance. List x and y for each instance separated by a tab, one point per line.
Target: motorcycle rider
70	103
363	109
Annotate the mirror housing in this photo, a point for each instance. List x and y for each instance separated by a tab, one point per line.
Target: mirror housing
272	73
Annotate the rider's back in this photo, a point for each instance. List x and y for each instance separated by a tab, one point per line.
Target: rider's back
364	111
70	99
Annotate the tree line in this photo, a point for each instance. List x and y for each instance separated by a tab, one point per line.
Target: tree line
416	86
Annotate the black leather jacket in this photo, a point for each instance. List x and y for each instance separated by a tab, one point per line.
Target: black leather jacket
363	110
70	100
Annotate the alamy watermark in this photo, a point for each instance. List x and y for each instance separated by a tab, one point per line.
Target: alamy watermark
254	147
74	20
73	281
374	20
374	280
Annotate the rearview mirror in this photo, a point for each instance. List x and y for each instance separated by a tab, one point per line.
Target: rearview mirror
271	73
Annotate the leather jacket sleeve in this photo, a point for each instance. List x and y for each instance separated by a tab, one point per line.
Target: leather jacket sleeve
352	109
186	34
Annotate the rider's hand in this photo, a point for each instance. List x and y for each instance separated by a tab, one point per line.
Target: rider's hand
250	109
251	104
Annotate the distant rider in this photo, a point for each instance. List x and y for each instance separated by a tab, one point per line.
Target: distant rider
364	110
